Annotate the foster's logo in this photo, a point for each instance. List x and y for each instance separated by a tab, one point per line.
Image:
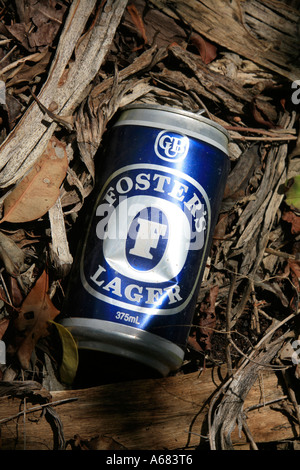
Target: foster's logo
152	222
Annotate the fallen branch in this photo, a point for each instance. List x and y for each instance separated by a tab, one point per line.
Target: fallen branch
154	414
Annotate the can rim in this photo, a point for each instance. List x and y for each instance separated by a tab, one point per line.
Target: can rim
178	111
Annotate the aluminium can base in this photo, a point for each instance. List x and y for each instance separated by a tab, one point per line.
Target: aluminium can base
127	342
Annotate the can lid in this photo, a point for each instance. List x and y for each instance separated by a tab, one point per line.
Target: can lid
193	124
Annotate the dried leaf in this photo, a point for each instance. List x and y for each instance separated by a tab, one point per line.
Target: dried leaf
193	341
260	114
26	72
3	326
19	31
293	219
32	322
137	20
15	293
11	255
68	367
14	110
38	191
294	266
293	193
44	36
46	17
238	180
207	51
23	238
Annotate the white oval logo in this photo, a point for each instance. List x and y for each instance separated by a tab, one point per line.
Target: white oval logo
171	146
147	237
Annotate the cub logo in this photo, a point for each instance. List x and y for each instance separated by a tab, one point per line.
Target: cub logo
172	147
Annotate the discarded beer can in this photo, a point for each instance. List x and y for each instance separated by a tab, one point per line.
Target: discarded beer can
145	248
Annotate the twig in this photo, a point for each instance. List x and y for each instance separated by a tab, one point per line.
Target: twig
254	320
267	403
249	434
8	54
272	331
262	312
265	138
18	62
62	121
228	323
280	254
254	130
5	41
56	424
262	364
240	308
37	408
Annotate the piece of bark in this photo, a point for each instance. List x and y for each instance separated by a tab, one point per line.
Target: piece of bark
265	32
238	179
224	89
256	220
159	28
12	256
60	255
153	414
103	102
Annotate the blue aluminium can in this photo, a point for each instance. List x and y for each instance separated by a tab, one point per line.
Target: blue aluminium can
145	249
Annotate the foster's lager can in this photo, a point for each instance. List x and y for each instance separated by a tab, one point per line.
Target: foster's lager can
138	272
